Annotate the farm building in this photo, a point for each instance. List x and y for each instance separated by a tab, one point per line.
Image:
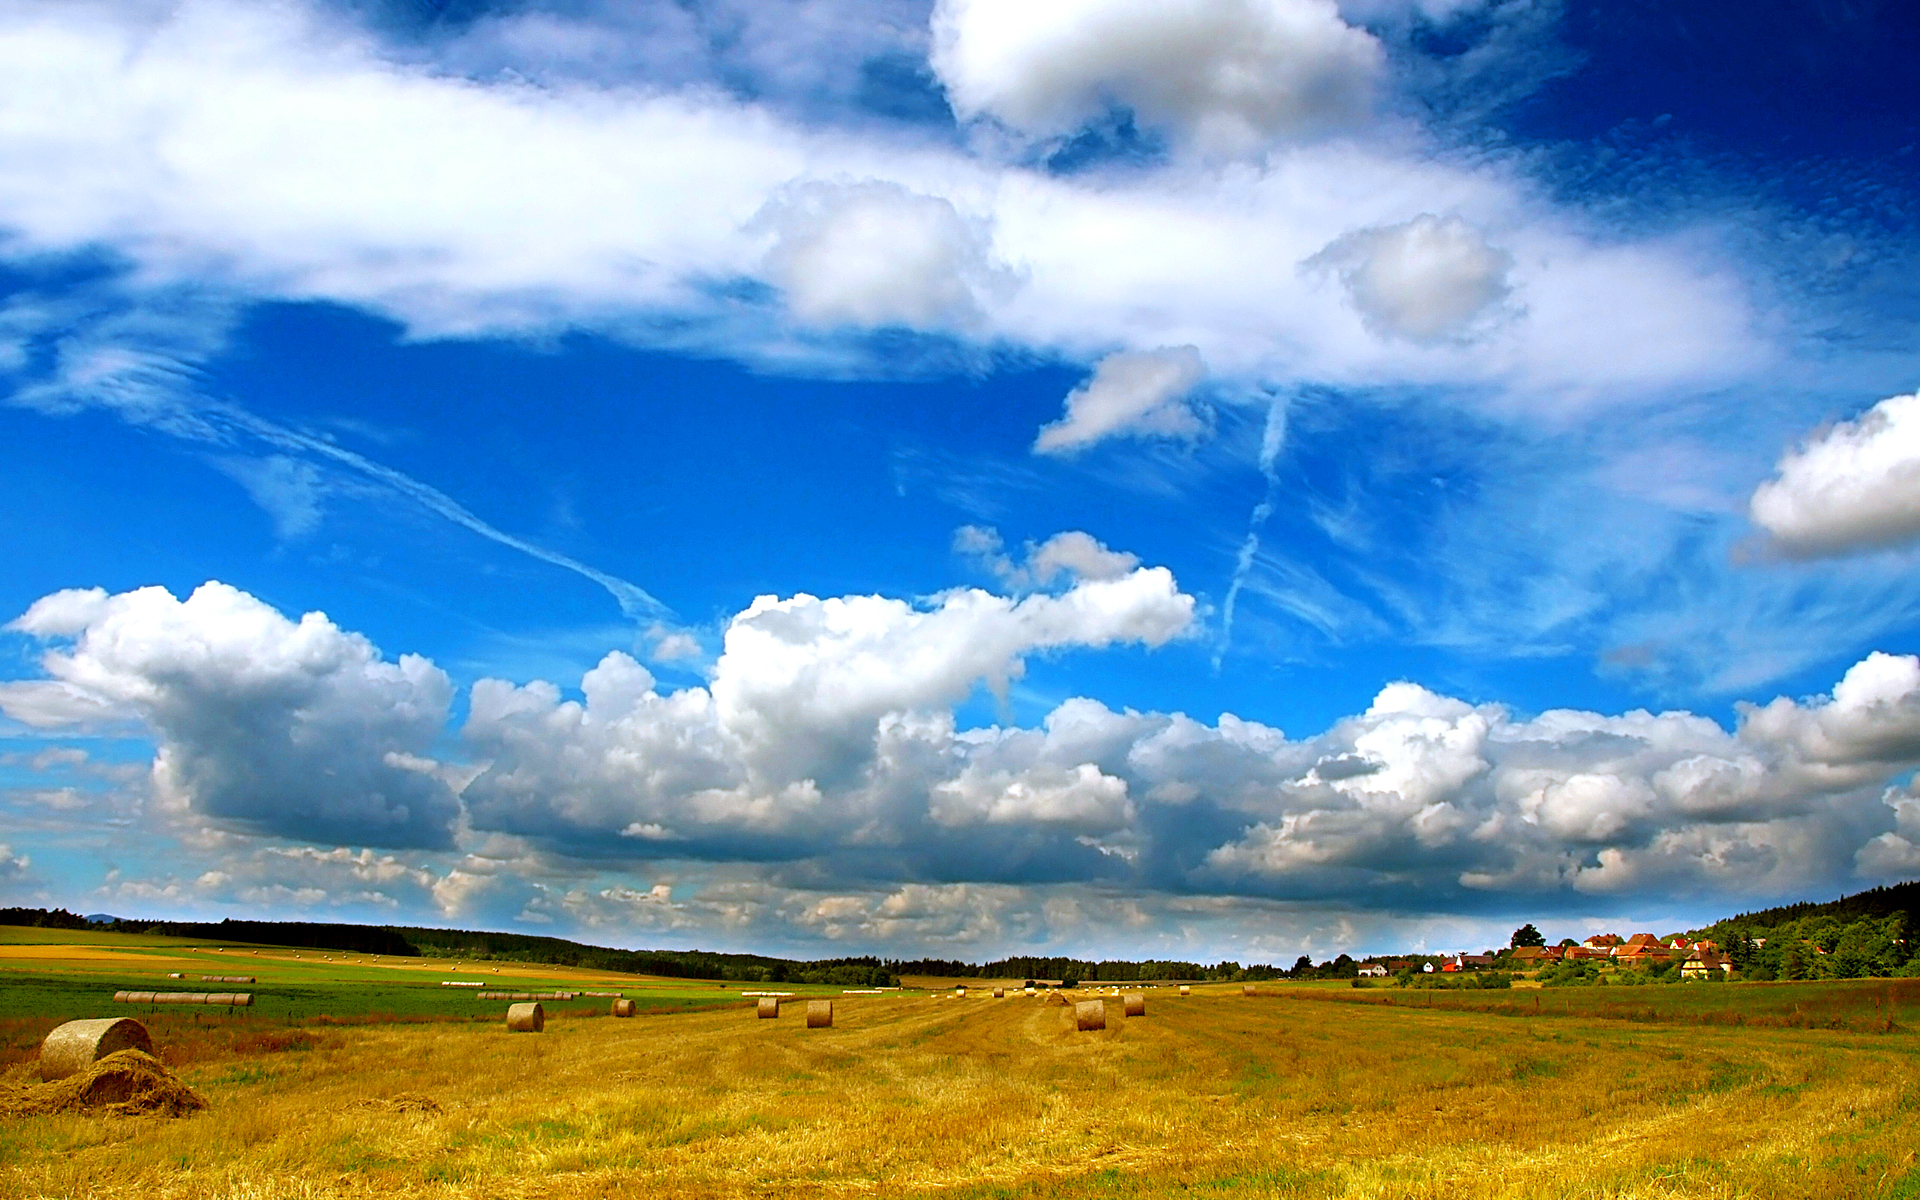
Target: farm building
1701	964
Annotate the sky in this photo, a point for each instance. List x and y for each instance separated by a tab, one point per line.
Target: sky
1196	479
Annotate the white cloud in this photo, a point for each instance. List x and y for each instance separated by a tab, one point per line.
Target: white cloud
427	197
1852	487
674	645
876	254
263	724
815	709
1074	554
1425	280
11	865
1221	75
1131	394
288	489
1081	798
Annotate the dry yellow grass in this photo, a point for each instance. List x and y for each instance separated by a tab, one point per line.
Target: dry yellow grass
918	1096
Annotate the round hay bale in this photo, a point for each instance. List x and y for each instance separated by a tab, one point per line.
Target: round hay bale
526	1018
999	993
1136	1003
623	1008
225	998
1090	1014
819	1014
1185	990
77	1045
768	1008
1246	989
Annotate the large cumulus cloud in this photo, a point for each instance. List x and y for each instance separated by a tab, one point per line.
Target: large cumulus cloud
826	724
298	729
823	759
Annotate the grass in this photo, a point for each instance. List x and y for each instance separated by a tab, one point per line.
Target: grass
1299	1092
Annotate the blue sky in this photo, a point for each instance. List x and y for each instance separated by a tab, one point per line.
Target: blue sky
1215	479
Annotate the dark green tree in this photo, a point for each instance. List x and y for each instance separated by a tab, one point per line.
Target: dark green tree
1527	935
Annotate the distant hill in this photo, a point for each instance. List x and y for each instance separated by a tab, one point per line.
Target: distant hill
1875	903
479	946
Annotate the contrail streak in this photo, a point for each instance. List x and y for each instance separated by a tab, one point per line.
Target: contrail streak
159	391
1273	439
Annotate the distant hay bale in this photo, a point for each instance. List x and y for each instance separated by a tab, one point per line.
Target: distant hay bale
819	1014
77	1045
960	991
526	1018
1246	989
1090	1014
999	993
1136	1004
1185	990
768	1007
623	1007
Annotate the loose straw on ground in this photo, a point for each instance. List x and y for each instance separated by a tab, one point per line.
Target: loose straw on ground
526	1018
1090	1014
819	1014
77	1045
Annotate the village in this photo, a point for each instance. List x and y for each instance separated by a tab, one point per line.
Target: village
1697	959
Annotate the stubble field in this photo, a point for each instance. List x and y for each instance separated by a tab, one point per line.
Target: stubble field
1295	1092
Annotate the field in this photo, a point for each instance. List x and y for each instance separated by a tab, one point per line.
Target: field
1695	1090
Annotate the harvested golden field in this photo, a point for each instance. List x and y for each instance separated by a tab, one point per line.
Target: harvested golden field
914	1095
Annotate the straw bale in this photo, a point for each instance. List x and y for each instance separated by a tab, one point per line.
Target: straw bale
819	1014
126	1083
999	993
77	1045
1136	1004
623	1007
1185	990
1246	989
1090	1014
526	1018
405	1102
768	1007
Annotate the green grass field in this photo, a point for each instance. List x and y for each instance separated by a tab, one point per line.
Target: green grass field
1763	1091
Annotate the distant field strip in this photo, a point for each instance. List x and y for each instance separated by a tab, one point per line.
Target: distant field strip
1215	1094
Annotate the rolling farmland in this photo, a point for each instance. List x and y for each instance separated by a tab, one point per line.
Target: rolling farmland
409	1088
